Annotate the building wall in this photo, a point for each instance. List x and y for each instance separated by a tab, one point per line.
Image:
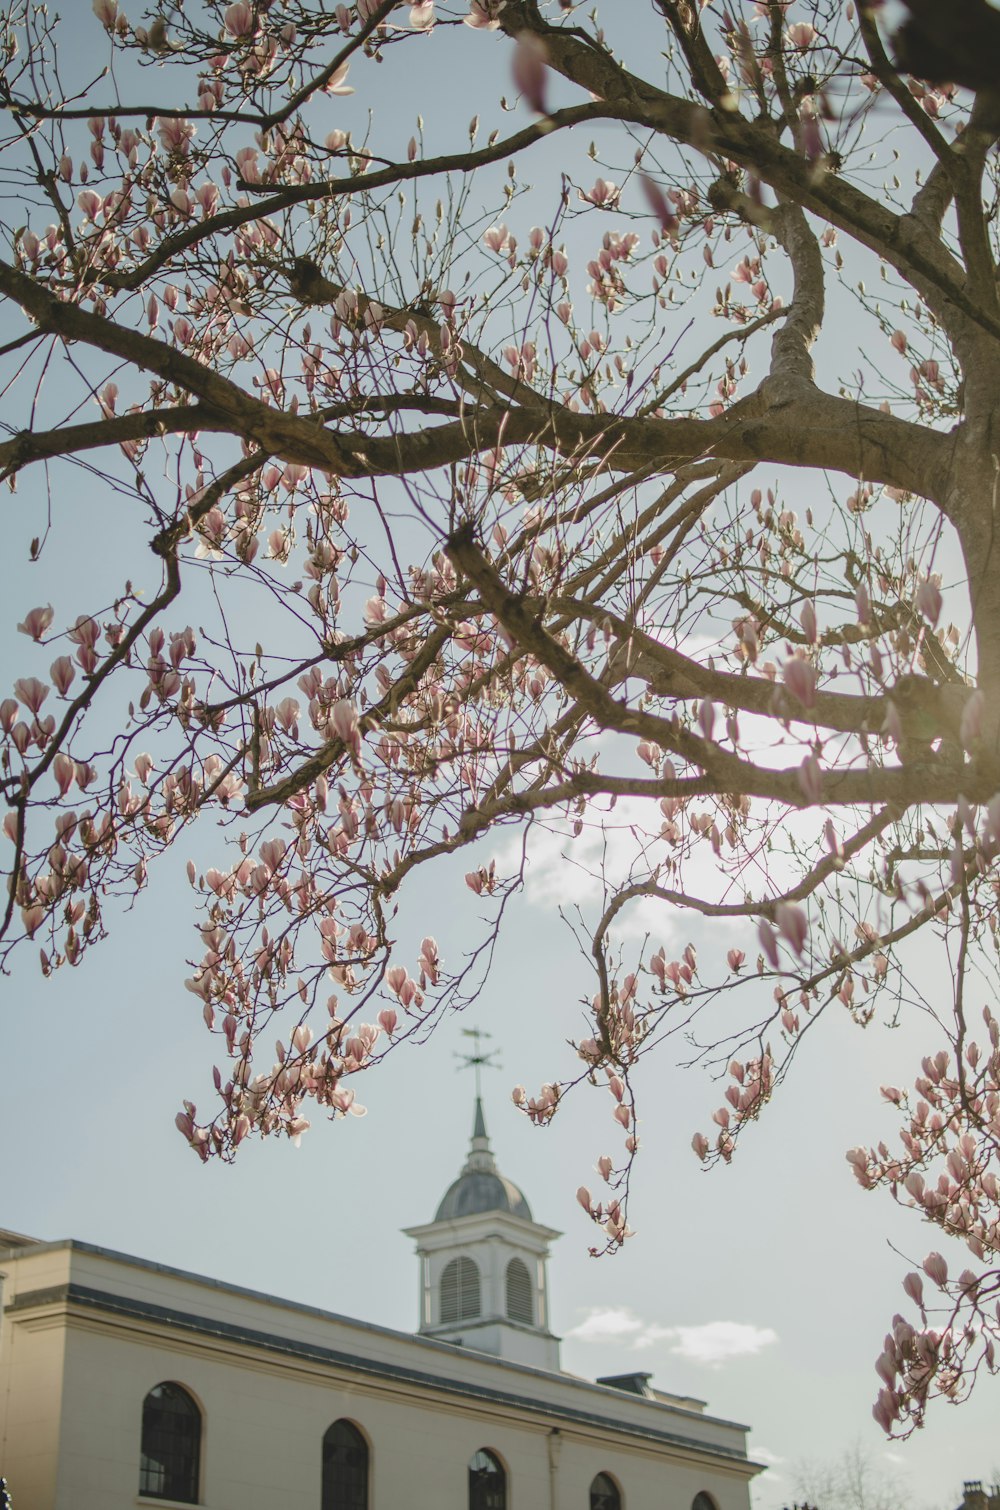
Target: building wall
79	1369
31	1386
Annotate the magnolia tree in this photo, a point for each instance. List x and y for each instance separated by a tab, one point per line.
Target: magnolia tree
479	502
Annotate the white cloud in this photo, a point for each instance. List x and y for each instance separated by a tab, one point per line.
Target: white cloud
584	871
765	1455
717	1342
607	1324
711	1344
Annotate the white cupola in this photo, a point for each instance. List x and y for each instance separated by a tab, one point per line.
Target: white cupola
482	1265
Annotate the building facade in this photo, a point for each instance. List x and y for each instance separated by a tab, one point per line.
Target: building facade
126	1383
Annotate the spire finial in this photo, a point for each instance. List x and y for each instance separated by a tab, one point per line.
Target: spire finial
479	1059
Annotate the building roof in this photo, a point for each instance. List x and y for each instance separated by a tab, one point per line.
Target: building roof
481	1187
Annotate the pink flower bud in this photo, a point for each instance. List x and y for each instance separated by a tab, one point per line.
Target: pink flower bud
768	942
935	1268
800	679
529	70
807	618
64	770
929	601
792	924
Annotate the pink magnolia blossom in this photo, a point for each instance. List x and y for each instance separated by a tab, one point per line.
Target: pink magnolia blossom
484	15
64	770
800	679
793	924
935	1268
768	942
336	83
429	960
344	718
62	672
31	692
529	70
929	601
37	621
914	1287
657	201
240	20
496	238
603	194
807	618
90	203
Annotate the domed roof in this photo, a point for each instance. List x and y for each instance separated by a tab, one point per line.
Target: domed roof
474	1192
481	1187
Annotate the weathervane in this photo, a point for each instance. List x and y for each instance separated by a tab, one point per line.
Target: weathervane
480	1058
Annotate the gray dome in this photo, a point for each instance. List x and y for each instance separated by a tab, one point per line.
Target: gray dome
481	1187
477	1190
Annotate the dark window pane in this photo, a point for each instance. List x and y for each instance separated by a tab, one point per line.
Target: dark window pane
487	1483
345	1468
703	1501
519	1301
604	1493
171	1445
459	1290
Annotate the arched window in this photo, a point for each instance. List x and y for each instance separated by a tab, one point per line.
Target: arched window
171	1445
460	1290
703	1501
487	1482
345	1468
519	1306
605	1494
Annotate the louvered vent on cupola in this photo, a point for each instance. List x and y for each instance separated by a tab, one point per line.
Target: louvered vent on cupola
460	1291
519	1299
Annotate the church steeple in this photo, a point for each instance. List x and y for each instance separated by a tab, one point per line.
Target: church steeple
482	1263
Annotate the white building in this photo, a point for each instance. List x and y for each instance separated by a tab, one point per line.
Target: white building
125	1383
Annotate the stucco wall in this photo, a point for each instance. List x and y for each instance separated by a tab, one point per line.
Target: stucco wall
31	1383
